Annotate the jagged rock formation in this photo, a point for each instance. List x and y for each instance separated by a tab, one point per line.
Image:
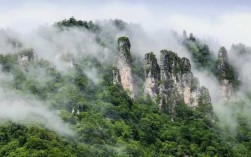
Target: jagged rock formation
123	74
222	66
177	77
172	81
26	56
152	75
167	83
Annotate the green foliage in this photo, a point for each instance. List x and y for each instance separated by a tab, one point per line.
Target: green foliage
237	134
32	141
72	22
123	39
28	52
201	55
227	73
204	60
176	64
8	62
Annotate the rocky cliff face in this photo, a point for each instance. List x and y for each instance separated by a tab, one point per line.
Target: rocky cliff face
152	75
123	74
166	83
26	56
172	80
222	66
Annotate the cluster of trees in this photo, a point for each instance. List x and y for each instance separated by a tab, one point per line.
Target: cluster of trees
72	22
89	25
201	54
227	73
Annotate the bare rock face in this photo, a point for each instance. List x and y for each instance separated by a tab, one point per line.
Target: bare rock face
177	76
172	80
222	66
26	56
123	64
167	83
152	75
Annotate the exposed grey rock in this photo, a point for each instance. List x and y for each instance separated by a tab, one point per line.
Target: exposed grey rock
123	64
168	82
152	75
176	81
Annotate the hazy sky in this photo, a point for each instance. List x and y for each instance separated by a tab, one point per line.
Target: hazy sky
228	21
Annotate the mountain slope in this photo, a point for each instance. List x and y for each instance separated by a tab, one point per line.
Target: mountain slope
111	117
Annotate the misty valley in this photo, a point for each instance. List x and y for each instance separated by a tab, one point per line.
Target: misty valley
111	89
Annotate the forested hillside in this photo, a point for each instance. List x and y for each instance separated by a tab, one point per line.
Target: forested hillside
81	105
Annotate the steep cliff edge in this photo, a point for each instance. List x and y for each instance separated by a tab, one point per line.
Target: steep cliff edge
123	71
167	83
152	75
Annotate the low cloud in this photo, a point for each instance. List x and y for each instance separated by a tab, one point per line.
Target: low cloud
25	110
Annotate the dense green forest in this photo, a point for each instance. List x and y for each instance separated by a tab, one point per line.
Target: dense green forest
104	119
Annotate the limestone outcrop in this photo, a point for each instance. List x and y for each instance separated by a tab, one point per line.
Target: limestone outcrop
152	75
172	80
123	74
167	83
